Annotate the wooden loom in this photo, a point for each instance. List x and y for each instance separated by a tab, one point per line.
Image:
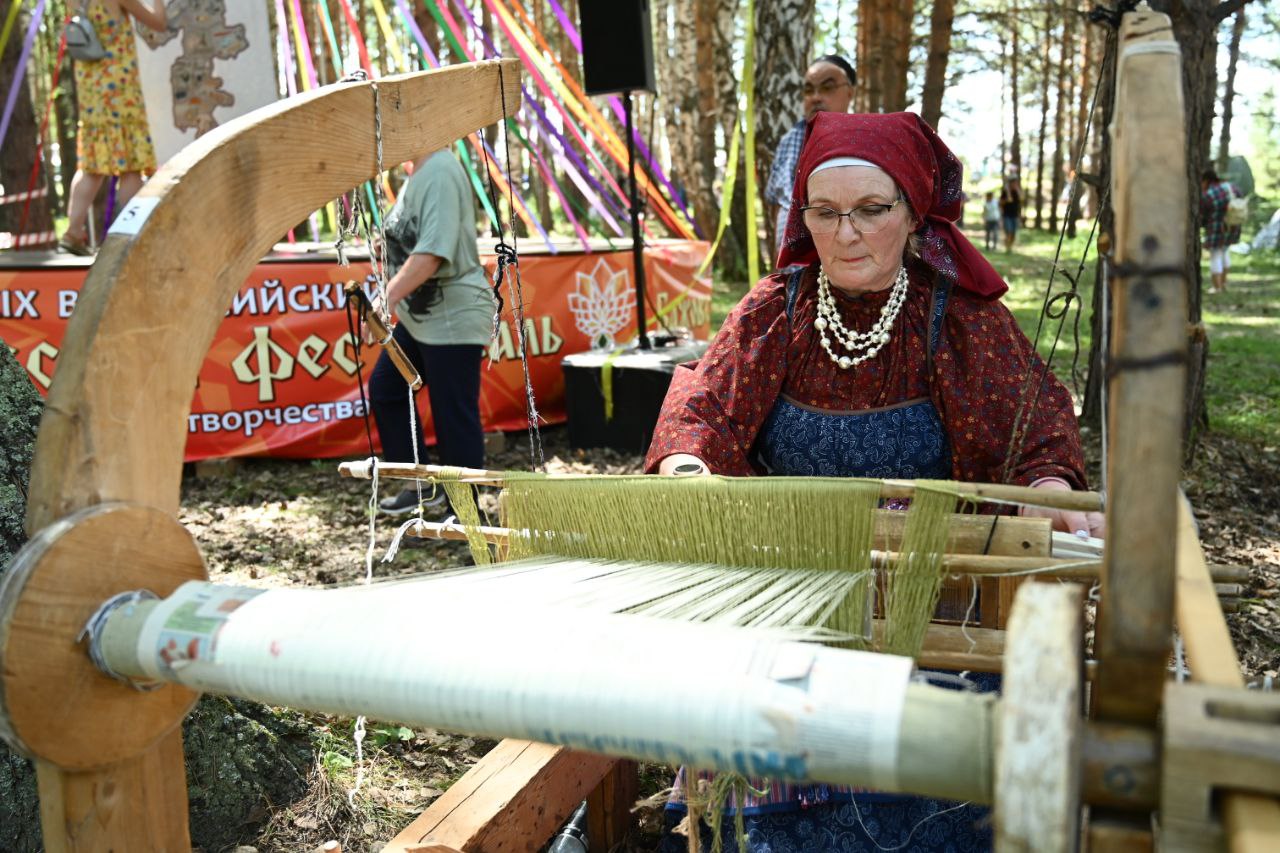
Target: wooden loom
105	488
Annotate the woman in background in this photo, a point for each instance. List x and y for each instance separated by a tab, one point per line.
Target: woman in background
112	137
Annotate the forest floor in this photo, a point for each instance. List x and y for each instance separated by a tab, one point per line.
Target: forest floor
275	523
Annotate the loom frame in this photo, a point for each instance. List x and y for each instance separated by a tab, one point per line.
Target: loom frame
110	446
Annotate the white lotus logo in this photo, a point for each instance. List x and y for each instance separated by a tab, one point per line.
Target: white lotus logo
602	304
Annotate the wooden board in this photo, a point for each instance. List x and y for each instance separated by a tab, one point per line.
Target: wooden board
1147	362
114	426
1251	822
513	799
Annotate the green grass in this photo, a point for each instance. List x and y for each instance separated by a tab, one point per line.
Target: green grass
1243	383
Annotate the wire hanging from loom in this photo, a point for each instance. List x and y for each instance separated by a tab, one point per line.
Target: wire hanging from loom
508	269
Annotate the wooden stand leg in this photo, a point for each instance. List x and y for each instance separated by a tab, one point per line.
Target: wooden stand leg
609	806
140	804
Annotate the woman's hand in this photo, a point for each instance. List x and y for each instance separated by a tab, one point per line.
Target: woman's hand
1066	520
683	465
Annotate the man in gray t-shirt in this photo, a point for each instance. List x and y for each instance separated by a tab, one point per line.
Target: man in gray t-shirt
445	308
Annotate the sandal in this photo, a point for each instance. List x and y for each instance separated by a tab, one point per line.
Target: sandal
72	246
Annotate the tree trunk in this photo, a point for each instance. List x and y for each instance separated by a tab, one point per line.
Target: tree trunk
1004	100
935	74
1061	118
897	53
1015	145
19	153
430	29
1195	27
1086	132
1095	386
1046	64
784	40
872	55
1229	93
704	199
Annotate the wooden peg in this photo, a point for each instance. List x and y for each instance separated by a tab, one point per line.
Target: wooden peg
385	340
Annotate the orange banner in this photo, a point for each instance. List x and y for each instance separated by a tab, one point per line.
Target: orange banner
280	378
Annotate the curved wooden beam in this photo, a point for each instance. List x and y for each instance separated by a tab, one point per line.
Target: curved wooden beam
114	426
115	423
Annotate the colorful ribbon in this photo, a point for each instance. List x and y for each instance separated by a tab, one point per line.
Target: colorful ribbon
572	32
587	112
12	100
500	178
535	155
9	20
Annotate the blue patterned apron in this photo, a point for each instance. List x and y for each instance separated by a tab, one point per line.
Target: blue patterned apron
903	441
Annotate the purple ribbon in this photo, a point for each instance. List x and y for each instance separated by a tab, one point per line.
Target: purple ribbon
572	32
545	122
416	31
12	100
569	29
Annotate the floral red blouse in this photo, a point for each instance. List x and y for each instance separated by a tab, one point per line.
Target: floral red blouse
976	378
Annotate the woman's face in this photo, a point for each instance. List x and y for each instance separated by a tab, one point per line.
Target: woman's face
857	262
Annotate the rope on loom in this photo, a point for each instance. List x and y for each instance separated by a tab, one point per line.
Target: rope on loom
509	258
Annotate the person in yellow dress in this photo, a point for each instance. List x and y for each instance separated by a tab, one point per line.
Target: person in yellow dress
113	137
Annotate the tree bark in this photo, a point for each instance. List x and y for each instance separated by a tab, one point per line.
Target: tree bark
1196	31
1095	386
1061	117
1045	65
1229	93
871	53
935	74
704	199
784	41
1015	145
898	20
19	153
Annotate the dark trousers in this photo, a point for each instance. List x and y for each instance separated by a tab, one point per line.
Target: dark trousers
451	373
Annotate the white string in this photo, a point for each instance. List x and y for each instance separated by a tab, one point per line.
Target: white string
394	547
413	439
372	466
358	734
858	814
964	623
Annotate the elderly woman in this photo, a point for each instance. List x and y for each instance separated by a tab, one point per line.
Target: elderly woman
888	354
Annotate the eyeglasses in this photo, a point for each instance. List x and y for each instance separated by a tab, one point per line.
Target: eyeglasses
826	88
867	219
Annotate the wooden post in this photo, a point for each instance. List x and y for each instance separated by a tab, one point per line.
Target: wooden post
1147	366
114	428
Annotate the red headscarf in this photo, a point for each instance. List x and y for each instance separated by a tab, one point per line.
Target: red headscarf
926	171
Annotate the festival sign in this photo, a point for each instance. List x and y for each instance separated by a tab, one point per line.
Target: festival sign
281	375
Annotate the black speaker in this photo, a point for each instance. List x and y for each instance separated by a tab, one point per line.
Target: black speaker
617	45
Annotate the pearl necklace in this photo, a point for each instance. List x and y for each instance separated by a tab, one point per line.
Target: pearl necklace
864	345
